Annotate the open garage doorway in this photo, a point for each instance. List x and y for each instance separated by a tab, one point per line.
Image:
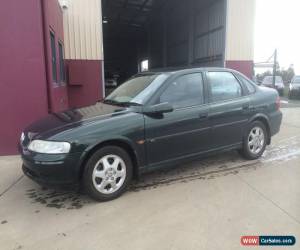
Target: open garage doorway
165	33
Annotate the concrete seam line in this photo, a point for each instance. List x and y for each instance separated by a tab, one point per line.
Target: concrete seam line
10	186
268	199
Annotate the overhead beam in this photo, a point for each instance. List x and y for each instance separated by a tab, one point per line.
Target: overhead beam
139	11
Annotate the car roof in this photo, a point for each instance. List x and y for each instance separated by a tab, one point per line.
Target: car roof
186	70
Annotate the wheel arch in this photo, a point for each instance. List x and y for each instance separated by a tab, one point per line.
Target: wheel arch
122	143
265	120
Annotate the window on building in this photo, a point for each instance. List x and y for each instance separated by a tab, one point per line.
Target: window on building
53	56
223	86
185	91
62	74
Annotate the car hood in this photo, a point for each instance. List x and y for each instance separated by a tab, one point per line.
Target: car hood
57	122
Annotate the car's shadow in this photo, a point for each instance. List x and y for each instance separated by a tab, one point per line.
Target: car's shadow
203	169
58	198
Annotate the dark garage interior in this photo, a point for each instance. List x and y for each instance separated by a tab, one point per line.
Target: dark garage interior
167	33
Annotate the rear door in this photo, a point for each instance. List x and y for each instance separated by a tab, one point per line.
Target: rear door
185	130
229	108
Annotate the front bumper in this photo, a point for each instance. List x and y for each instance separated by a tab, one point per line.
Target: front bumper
55	169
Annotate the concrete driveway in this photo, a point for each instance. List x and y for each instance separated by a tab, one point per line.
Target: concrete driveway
207	204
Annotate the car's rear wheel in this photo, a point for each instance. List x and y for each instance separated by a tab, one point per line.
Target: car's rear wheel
255	141
107	173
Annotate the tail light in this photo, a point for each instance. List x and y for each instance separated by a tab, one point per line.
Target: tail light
277	103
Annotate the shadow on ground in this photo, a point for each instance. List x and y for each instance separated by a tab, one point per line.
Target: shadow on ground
229	163
205	169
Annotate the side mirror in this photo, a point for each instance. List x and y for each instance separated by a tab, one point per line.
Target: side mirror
158	109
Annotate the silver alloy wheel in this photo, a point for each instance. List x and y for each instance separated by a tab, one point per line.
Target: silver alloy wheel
256	140
109	174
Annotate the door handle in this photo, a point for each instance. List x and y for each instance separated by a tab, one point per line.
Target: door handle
246	107
203	116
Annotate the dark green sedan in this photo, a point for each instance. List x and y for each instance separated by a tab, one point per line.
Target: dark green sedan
153	120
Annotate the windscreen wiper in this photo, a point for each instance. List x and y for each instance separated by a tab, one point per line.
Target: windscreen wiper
109	101
126	104
129	104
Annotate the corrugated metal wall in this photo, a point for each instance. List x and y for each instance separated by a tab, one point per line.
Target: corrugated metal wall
209	33
177	34
83	30
240	29
156	44
188	33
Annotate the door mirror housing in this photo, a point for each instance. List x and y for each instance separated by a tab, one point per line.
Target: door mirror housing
158	108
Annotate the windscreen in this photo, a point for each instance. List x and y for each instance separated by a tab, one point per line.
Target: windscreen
137	89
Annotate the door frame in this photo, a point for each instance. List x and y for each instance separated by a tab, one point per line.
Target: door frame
154	100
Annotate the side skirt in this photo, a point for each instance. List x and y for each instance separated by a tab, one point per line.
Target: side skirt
186	158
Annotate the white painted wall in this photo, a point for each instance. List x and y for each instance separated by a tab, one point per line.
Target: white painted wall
240	22
83	29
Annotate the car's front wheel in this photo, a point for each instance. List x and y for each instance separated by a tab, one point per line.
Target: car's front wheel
107	173
255	141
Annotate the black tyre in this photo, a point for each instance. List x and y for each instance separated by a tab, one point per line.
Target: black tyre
107	173
255	141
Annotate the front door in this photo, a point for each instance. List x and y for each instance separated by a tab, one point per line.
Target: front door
229	109
184	131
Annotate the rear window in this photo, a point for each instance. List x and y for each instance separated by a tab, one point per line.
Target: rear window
247	83
296	79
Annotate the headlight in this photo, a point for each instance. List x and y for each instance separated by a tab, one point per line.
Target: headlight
49	147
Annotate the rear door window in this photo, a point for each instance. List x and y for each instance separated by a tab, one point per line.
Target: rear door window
223	86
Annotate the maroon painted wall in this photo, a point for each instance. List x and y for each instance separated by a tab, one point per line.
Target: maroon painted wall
23	89
53	21
245	67
85	82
